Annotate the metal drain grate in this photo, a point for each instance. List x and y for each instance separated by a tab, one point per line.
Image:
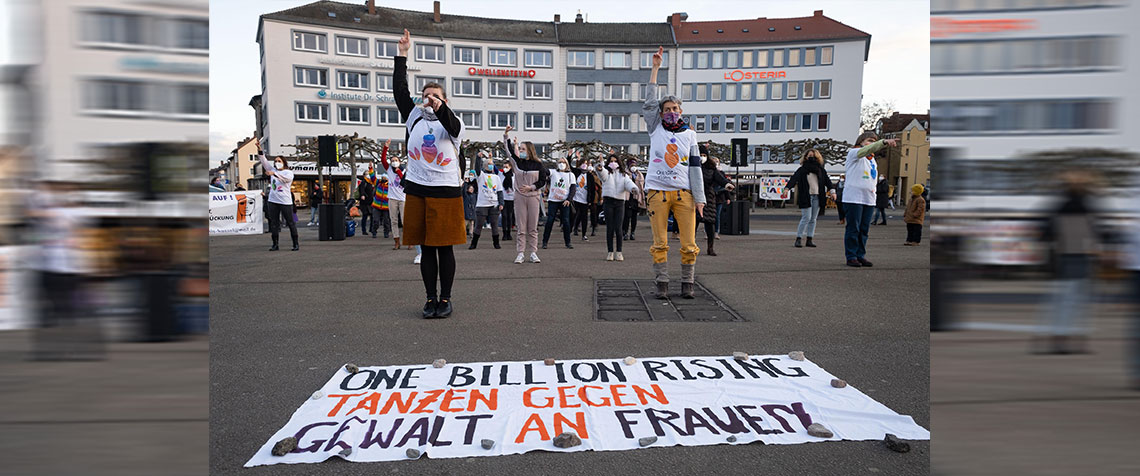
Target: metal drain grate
618	300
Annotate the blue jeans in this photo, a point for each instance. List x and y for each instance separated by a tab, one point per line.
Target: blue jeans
313	217
858	226
807	218
880	214
1071	296
1136	328
563	211
719	213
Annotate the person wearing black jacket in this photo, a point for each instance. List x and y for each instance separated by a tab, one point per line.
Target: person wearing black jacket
365	190
814	186
315	199
882	199
433	211
713	179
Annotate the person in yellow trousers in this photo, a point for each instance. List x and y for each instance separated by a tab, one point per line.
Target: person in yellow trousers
674	184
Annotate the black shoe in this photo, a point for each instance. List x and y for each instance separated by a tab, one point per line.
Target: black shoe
569	246
687	290
544	246
662	291
798	244
594	232
274	247
631	237
495	241
430	308
374	236
584	238
854	263
507	237
809	244
386	235
444	308
474	242
865	263
296	247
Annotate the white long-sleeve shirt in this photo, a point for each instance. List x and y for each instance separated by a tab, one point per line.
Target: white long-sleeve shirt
616	185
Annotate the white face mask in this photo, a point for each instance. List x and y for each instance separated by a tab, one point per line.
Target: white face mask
704	158
395	165
613	165
278	165
506	169
562	166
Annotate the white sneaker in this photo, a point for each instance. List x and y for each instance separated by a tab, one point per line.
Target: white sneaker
618	257
534	258
610	256
417	260
519	258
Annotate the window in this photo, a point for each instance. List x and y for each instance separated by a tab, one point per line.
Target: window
580	122
353	115
744	123
825	54
471	119
384	82
822	123
714	91
686	92
702	60
352	80
809	57
386	116
316	77
616	92
430	53
777	90
805	122
617	59
536	122
580	59
116	28
305	41
192	34
422	80
794	57
775	124
778	58
647	59
503	89
760	123
762	59
301	140
809	89
789	122
793	90
746	59
761	91
500	57
730	124
1036	116
825	88
717	59
386	49
731	59
580	92
730	91
466	55
308	112
702	92
700	123
616	123
351	46
467	87
500	120
714	124
687	60
746	92
535	90
538	59
643	151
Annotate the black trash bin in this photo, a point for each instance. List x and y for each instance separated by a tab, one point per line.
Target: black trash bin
332	221
159	293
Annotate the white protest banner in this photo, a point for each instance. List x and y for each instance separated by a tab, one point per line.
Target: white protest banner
235	213
379	413
774	188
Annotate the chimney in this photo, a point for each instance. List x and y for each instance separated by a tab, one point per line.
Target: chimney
578	19
557	18
675	20
818	13
371	7
436	18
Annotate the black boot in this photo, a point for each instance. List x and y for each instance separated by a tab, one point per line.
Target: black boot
799	244
495	241
809	243
296	245
274	247
430	308
712	252
444	308
507	236
474	242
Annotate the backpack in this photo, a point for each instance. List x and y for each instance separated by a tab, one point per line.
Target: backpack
349	228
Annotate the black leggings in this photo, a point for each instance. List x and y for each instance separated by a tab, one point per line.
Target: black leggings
615	211
438	261
581	216
630	221
277	213
508	216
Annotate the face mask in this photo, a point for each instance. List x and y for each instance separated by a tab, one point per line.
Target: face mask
278	165
506	169
671	117
395	165
522	155
704	158
585	167
613	165
562	166
489	168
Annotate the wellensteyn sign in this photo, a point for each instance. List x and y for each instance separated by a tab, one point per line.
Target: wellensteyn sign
364	64
364	97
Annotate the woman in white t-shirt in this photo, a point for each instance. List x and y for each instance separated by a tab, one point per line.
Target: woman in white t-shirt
562	187
280	197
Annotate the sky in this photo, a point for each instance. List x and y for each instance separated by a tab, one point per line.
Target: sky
898	69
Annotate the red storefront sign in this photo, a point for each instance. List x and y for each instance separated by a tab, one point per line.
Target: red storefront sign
517	73
739	75
944	27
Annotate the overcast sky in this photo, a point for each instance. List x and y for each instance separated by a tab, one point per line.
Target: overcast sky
898	69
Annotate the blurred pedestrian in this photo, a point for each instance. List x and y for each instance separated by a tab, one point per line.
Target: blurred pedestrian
882	201
528	177
839	208
396	197
1071	232
507	177
380	207
915	213
365	194
470	195
713	180
814	187
723	199
859	196
1132	264
636	203
280	198
315	200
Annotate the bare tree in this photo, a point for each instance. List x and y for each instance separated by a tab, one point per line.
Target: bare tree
871	112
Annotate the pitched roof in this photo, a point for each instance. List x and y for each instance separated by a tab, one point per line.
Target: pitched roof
897	122
419	24
767	30
655	34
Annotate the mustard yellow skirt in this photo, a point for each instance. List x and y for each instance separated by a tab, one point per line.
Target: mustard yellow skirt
434	221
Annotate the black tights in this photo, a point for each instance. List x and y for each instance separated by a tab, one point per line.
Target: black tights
438	261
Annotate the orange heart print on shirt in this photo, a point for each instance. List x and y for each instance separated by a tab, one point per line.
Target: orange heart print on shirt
671	157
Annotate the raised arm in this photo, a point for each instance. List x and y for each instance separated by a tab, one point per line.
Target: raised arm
266	167
650	110
874	147
400	77
384	154
450	121
511	155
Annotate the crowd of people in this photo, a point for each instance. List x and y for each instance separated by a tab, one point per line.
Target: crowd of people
442	194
